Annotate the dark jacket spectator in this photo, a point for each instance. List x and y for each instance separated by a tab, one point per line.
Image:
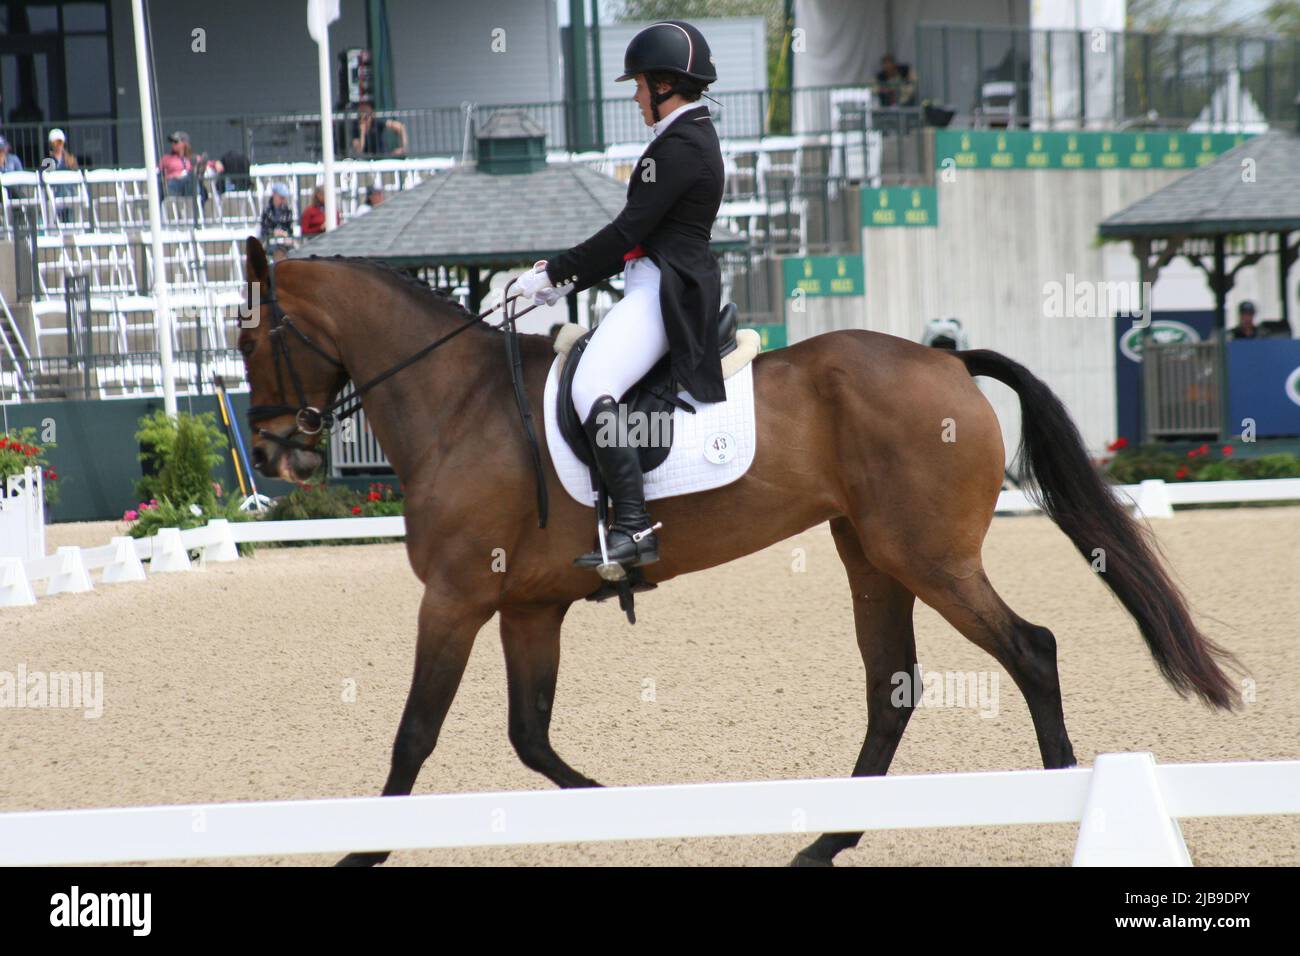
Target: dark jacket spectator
368	133
234	173
277	217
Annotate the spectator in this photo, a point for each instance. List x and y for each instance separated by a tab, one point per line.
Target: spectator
234	172
178	166
183	171
313	217
1249	328
61	158
368	133
895	85
374	197
9	162
1246	328
277	217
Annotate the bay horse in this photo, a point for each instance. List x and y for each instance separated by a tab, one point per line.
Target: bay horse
889	441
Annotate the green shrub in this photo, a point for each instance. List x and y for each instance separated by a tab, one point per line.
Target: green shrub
312	501
335	501
152	516
181	453
1205	463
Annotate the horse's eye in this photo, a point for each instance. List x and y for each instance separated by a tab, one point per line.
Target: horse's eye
247	346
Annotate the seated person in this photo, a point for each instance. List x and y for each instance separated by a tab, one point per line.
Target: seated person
1248	328
277	217
895	85
313	217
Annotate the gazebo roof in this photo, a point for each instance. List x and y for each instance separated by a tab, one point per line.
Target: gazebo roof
464	216
1216	199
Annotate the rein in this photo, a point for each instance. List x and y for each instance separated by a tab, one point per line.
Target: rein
309	420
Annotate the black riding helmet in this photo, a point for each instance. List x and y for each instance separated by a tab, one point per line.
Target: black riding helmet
674	47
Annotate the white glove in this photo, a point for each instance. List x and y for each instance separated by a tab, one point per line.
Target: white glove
535	284
531	283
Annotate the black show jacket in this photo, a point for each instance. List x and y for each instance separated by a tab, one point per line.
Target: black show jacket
672	199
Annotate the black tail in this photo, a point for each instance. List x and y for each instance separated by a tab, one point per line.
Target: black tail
1070	490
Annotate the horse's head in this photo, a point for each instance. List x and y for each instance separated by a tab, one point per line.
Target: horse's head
292	367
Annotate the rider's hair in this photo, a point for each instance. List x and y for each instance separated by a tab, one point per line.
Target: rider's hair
685	87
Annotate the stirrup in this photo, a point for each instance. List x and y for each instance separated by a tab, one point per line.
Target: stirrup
605	565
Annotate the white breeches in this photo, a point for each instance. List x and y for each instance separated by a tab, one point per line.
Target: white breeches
628	342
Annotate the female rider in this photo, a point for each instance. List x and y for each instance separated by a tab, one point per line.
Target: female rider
673	286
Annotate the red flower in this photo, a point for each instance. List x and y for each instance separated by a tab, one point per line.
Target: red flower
1181	472
1203	450
1117	444
1227	450
356	509
1192	453
373	496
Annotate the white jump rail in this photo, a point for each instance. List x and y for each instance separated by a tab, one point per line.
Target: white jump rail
1127	807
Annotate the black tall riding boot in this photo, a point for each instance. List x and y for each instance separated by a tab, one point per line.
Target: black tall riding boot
630	540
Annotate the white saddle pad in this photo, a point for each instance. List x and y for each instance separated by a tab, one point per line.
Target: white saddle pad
711	448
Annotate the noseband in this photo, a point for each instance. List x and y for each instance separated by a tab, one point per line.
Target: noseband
308	420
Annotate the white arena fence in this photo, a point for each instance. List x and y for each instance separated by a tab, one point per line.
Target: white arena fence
1127	807
122	559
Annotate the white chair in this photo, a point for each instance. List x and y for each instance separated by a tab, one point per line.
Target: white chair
21	190
106	258
997	107
50	329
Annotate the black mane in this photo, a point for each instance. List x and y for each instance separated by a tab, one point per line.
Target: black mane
410	282
424	291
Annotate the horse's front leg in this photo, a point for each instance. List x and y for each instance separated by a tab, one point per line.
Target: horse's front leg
448	625
531	639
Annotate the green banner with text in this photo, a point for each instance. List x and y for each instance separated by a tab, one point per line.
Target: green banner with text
823	275
1027	149
900	206
772	334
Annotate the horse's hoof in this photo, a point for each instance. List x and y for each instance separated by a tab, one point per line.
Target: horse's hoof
362	859
803	859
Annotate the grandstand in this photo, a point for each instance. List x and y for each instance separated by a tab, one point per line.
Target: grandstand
84	323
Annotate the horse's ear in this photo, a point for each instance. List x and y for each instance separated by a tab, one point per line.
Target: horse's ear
257	270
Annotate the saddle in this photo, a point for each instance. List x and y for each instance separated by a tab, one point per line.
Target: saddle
653	398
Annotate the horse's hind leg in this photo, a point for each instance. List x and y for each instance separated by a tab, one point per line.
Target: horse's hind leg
531	639
882	615
1027	651
447	628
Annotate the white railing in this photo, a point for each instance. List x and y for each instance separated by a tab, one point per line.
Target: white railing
1156	498
68	569
1127	807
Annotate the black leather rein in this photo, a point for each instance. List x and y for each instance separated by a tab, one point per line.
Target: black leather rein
309	420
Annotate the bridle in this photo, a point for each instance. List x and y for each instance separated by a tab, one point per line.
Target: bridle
309	420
